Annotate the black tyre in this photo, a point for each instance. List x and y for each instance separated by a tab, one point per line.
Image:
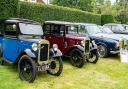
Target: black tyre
102	51
77	58
27	69
56	66
93	56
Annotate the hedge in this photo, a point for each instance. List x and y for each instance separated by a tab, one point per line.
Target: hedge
107	19
8	8
41	12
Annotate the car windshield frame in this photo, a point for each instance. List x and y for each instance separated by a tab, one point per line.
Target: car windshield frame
88	30
31	29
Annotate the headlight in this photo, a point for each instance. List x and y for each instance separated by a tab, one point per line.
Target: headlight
93	42
82	43
34	46
55	47
117	44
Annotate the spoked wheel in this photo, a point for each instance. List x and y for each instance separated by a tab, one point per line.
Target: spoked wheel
27	69
93	56
77	58
102	51
56	66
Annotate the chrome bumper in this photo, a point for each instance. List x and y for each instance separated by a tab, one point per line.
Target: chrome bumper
114	52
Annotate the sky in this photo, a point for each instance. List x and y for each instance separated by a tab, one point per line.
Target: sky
112	1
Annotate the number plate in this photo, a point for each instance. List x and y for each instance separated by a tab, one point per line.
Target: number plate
43	67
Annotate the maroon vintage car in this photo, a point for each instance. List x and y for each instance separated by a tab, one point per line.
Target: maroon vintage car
79	49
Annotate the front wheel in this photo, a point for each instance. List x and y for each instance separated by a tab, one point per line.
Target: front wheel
93	56
77	58
56	66
27	69
102	51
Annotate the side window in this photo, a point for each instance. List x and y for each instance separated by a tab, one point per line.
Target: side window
47	29
108	26
114	28
10	30
82	30
57	29
71	29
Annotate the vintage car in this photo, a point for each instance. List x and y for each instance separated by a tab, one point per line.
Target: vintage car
116	28
107	43
21	44
72	45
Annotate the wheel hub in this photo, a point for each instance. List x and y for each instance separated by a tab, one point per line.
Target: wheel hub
53	65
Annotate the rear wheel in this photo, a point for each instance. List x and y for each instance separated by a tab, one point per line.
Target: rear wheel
93	56
56	66
27	69
77	58
102	51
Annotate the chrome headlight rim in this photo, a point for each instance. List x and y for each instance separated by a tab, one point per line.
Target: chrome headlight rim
82	43
117	44
34	46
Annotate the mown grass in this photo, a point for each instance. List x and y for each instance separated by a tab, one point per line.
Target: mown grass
108	73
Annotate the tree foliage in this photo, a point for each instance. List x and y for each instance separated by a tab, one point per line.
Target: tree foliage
86	5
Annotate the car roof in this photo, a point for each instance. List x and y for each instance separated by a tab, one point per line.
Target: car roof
112	24
18	20
85	24
59	22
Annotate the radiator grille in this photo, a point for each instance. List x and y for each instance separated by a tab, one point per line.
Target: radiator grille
44	52
87	46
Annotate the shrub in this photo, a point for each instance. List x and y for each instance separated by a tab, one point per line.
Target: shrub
41	12
107	19
8	8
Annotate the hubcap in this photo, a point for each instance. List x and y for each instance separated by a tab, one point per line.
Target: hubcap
76	58
101	51
26	70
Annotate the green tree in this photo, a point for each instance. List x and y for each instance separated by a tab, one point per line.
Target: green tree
86	5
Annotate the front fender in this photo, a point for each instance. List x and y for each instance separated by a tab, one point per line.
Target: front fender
30	53
53	53
79	47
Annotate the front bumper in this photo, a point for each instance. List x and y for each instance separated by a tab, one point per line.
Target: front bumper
114	52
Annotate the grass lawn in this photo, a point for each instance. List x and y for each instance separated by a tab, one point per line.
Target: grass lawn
108	73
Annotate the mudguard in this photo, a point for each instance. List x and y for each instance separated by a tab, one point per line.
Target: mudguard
29	53
55	53
78	47
93	46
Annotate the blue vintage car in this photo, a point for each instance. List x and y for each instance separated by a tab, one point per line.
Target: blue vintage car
21	43
107	43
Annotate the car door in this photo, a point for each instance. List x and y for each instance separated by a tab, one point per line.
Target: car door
54	34
10	43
